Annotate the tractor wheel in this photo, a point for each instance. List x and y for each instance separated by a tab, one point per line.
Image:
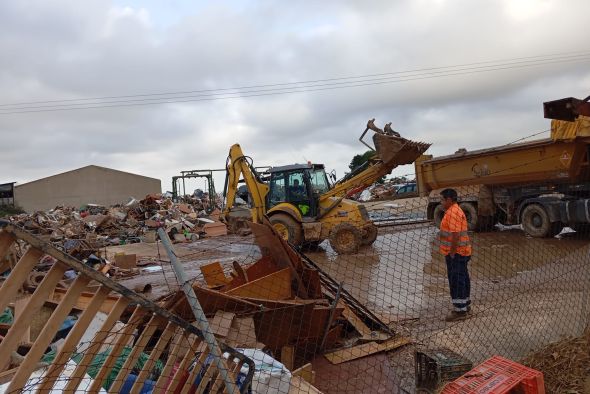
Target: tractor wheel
288	228
345	238
369	234
536	222
439	213
470	212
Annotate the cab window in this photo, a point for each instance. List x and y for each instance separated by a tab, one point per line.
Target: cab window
277	189
297	188
319	182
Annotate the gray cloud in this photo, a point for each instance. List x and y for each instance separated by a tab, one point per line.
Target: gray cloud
66	50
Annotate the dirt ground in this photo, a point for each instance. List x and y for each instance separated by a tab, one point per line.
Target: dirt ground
526	292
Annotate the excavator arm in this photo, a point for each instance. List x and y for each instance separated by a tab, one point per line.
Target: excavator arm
391	150
238	166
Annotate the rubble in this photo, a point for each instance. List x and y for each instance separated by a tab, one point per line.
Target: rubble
81	232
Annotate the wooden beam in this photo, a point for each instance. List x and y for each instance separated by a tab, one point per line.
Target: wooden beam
10	342
366	349
136	351
196	369
91	351
71	341
46	336
276	286
18	276
194	344
6	241
111	359
178	342
154	356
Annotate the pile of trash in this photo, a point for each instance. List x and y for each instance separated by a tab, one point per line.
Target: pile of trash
377	191
135	221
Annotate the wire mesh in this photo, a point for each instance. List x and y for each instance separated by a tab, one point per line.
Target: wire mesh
310	318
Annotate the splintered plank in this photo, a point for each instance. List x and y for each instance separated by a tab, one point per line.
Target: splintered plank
276	286
301	386
366	349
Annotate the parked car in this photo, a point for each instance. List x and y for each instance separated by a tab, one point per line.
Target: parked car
407	190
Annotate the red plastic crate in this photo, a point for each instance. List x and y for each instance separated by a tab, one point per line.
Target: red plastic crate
496	376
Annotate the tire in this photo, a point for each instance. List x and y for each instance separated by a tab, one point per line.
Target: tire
439	213
536	223
345	238
370	233
470	212
288	228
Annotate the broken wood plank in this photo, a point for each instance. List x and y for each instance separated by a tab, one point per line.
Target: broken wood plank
72	340
276	286
178	341
10	342
366	349
126	261
221	323
288	357
242	333
47	335
84	300
301	386
19	306
214	274
306	372
18	276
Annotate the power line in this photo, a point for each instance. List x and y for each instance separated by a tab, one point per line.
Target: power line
549	57
311	86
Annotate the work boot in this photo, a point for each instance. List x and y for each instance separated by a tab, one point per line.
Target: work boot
456	316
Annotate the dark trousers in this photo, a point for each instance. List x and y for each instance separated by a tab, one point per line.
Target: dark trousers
459	282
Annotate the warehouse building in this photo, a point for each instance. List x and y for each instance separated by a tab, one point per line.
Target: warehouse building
87	185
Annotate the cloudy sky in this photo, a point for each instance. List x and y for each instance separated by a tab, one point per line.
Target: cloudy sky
455	73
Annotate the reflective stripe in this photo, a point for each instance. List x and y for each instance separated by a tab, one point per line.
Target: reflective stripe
464	309
446	243
463	243
460	300
448	234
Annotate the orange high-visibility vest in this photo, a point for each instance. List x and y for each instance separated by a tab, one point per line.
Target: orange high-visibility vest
454	221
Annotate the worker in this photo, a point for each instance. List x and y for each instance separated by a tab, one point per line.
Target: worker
456	247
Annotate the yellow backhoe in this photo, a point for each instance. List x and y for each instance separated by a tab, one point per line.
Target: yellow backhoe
302	205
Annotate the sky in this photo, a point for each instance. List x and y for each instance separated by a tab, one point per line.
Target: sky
505	57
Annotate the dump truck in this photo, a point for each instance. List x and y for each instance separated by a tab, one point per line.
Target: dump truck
542	184
302	205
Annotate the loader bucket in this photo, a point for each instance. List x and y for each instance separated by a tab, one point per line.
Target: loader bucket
398	150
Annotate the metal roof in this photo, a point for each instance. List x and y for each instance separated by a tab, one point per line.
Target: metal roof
293	167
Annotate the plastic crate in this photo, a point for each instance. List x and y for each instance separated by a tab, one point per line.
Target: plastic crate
496	376
435	366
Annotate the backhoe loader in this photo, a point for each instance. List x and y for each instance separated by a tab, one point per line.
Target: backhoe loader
302	205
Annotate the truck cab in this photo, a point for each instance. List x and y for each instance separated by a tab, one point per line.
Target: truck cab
300	185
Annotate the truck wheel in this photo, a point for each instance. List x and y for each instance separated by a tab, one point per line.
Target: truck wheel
369	234
288	228
536	222
470	212
439	213
345	238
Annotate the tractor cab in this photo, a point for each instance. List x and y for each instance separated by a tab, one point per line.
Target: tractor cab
300	185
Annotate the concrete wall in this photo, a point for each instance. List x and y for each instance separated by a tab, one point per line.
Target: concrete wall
86	185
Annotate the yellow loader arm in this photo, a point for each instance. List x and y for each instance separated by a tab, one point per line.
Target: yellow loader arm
391	150
238	165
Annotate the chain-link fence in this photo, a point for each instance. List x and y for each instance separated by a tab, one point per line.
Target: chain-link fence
305	319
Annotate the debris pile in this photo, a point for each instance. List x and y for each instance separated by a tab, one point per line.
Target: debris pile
565	364
286	307
94	226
